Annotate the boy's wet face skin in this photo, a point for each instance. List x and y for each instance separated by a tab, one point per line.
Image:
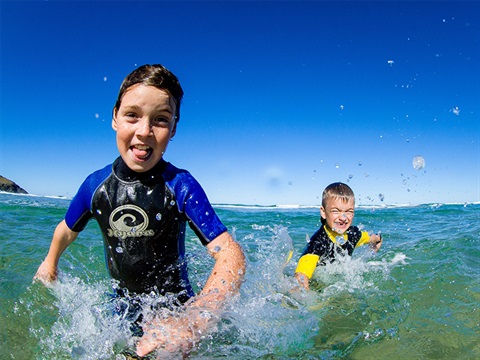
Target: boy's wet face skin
145	122
338	214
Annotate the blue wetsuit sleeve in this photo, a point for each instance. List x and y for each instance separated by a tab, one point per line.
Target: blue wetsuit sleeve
79	211
193	202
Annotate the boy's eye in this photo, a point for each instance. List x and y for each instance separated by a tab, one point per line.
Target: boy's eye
160	120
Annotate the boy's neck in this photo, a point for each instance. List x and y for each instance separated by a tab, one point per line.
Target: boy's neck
332	234
125	173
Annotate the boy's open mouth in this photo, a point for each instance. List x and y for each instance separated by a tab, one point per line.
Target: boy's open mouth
341	225
141	151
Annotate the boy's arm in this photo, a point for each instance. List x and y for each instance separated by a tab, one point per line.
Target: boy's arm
62	237
227	273
374	240
305	268
181	333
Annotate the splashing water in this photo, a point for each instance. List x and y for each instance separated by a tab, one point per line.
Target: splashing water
416	298
86	327
267	319
270	317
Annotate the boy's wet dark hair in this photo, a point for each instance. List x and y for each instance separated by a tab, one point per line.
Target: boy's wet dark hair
153	75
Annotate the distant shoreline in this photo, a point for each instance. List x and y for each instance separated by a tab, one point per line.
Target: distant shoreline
283	207
9	186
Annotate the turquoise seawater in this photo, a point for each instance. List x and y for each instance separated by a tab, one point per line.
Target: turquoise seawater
418	298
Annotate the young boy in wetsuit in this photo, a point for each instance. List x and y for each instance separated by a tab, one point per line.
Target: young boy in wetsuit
337	235
142	204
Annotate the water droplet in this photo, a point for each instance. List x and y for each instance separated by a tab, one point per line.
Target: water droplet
119	249
158	216
340	240
418	162
207	213
172	202
99	212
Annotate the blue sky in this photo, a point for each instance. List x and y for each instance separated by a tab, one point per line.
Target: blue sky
281	98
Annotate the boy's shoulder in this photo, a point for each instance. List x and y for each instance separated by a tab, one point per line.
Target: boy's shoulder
107	169
172	173
320	235
98	176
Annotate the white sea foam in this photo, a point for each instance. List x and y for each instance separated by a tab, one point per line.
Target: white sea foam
86	326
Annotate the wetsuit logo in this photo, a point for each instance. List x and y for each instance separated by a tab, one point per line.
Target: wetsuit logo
129	221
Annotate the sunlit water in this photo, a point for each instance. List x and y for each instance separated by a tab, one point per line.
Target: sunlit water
418	298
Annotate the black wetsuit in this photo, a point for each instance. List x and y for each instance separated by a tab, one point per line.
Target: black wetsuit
322	245
323	248
142	217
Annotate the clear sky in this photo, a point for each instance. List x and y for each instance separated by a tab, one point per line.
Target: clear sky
281	98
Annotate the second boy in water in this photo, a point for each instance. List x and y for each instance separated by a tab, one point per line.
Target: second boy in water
337	235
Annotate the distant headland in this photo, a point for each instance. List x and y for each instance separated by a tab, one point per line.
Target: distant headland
9	186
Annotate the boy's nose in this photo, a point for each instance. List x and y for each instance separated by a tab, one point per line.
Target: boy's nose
344	215
144	127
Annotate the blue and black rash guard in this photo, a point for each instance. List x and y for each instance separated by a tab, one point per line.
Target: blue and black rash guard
142	217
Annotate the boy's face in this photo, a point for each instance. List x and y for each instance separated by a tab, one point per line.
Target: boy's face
338	214
145	122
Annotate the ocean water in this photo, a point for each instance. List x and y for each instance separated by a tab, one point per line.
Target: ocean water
418	298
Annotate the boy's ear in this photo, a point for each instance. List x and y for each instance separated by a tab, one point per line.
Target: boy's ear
174	130
114	120
323	214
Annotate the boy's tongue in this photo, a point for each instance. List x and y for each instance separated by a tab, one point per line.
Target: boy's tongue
141	152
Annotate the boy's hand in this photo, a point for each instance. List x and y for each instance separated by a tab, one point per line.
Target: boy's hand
167	335
376	242
176	334
46	273
62	237
302	280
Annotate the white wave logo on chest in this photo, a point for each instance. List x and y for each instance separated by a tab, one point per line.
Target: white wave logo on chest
128	221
